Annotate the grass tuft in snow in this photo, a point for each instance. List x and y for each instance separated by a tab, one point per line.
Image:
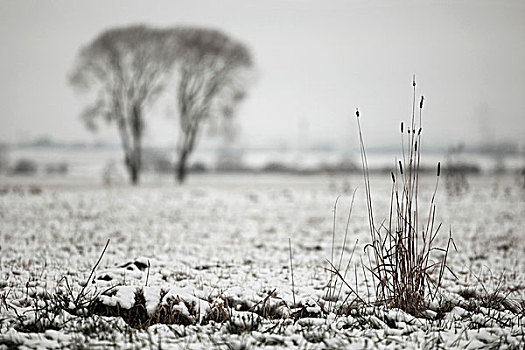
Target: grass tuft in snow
401	255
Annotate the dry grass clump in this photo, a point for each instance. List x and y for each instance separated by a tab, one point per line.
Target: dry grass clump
401	252
401	255
456	180
45	312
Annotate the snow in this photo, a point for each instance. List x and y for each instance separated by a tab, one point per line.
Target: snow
124	298
152	296
223	243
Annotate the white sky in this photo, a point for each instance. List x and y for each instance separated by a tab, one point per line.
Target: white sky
316	61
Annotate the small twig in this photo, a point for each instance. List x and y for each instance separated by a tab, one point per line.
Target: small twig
335	271
92	272
291	269
147	276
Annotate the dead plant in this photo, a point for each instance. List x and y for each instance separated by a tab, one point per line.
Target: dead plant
401	255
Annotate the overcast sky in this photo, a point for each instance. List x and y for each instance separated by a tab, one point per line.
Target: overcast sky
316	61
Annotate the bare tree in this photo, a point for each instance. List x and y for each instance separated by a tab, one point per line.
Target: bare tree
211	69
124	69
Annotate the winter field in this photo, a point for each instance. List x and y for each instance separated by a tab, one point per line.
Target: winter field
209	265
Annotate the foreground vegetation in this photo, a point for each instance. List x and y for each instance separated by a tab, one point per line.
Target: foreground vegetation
212	264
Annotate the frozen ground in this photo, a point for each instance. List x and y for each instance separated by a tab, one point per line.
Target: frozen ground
212	260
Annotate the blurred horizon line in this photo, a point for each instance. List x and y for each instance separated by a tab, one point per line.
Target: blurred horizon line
44	142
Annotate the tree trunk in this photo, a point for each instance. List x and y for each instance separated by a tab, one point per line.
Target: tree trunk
133	169
134	174
136	164
136	156
181	168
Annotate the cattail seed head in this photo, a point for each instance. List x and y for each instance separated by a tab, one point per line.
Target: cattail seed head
402	127
421	102
393	177
414	80
419	131
415	146
439	169
401	167
357	112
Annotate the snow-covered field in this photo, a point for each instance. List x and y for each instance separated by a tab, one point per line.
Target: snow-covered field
207	265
